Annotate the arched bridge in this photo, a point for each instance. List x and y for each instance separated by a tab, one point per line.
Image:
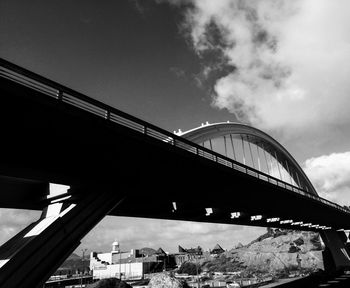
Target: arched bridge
254	148
116	164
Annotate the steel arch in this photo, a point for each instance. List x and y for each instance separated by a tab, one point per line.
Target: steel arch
253	135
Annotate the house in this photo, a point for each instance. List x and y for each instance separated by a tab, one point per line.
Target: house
217	250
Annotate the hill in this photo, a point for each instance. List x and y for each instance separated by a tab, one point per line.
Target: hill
73	257
277	251
73	264
282	251
147	251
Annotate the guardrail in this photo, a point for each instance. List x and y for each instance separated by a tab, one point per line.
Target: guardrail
64	94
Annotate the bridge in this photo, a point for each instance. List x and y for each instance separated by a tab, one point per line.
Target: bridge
112	163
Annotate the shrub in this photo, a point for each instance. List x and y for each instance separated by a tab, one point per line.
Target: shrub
315	240
299	241
110	283
163	280
189	268
293	249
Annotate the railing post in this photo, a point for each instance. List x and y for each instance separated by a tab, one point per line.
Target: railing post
60	95
108	115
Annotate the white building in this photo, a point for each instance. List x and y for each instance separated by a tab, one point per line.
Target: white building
126	271
124	265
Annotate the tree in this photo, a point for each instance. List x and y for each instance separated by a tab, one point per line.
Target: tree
269	231
189	268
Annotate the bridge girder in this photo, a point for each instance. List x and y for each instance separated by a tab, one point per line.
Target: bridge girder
255	136
36	252
337	249
46	139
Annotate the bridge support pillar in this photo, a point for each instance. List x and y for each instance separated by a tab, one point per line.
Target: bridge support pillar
336	255
35	253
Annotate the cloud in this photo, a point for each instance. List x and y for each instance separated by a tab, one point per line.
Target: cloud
290	59
180	73
330	175
14	220
138	233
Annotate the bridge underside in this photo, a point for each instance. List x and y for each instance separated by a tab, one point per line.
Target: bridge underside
44	141
143	199
47	141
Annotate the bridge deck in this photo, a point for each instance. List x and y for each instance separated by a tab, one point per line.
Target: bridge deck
51	133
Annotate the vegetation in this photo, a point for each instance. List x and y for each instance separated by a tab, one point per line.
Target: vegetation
223	264
315	240
293	249
299	241
189	268
271	232
163	280
284	273
110	283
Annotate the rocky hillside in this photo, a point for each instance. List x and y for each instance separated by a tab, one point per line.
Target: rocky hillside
279	250
273	252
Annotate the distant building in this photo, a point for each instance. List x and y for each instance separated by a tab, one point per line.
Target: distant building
217	250
185	255
130	264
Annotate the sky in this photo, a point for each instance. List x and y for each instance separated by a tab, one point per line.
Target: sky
280	66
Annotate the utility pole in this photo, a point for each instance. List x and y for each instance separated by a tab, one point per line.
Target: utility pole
197	263
120	263
82	272
143	267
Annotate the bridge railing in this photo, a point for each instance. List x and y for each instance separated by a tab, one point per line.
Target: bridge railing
64	94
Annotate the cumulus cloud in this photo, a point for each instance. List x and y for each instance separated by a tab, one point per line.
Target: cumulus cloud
290	59
330	175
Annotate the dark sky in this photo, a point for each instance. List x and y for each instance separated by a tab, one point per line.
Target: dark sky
133	57
136	56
